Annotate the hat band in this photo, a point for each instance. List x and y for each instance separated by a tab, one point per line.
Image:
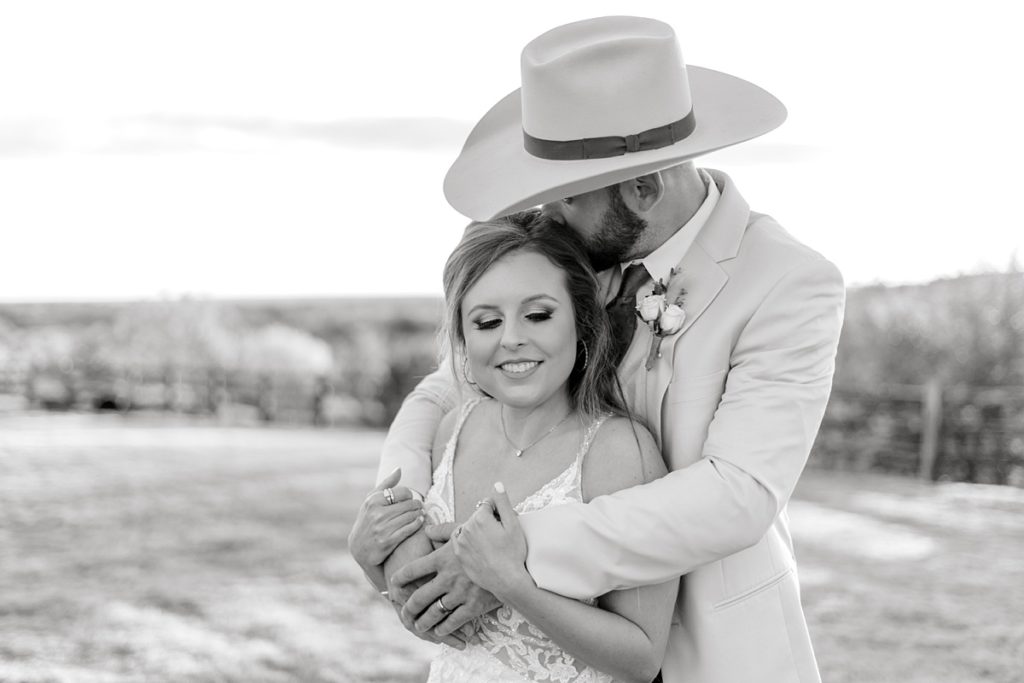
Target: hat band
611	145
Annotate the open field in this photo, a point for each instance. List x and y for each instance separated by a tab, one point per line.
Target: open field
144	549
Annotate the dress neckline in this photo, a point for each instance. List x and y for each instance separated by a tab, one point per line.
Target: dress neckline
447	465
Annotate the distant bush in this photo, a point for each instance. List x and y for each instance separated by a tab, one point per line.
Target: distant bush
279	348
185	333
967	330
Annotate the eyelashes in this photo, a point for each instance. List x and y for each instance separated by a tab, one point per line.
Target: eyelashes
492	323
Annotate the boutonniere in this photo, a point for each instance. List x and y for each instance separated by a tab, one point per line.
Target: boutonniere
662	311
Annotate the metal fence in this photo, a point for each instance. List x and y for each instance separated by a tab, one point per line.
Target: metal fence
266	397
958	433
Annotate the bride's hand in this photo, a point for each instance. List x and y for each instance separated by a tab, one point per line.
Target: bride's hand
383	523
491	546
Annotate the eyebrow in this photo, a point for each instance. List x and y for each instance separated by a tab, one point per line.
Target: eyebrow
527	300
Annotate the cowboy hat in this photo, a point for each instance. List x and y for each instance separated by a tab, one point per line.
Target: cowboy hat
602	101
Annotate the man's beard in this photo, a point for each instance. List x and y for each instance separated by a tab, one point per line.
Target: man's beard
617	235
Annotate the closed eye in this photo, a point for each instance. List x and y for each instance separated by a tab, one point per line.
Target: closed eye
488	324
539	316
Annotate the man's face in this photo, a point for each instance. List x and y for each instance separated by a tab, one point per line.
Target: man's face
609	228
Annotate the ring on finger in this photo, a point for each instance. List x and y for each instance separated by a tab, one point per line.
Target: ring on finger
389	496
457	532
443	608
487	502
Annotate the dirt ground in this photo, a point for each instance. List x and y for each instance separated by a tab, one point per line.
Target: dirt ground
142	549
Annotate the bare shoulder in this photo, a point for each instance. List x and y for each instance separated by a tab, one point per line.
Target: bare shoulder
443	434
623	454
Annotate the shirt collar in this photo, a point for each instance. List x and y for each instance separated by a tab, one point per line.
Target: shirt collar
660	262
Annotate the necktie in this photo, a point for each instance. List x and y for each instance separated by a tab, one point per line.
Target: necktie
622	309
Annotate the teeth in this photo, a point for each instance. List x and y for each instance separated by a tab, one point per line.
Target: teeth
519	367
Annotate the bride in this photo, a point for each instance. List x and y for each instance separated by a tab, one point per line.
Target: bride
544	426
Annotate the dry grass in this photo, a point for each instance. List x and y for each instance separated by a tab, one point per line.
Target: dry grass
149	552
909	582
145	550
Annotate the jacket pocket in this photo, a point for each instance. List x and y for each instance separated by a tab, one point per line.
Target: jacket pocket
751	592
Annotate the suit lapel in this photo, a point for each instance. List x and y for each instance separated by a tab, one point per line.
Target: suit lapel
703	278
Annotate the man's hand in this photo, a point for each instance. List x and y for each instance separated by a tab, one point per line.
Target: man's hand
445	581
417	546
455	640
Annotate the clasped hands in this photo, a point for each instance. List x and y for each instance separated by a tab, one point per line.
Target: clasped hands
471	570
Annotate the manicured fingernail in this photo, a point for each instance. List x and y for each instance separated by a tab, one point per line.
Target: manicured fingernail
499	487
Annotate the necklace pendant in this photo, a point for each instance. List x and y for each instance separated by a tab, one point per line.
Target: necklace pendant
519	453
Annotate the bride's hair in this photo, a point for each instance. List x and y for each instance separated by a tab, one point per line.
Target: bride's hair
593	386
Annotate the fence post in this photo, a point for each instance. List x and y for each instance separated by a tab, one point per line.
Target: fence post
931	423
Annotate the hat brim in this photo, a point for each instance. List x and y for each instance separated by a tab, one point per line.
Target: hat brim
495	176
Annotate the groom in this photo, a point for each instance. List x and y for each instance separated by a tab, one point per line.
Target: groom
601	134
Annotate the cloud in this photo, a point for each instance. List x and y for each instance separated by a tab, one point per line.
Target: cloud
174	133
27	137
166	133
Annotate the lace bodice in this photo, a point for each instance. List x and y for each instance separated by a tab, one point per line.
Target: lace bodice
506	647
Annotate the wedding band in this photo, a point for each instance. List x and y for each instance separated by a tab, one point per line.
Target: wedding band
389	496
440	604
486	501
458	530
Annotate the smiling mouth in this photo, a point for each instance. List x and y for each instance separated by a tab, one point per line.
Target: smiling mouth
519	368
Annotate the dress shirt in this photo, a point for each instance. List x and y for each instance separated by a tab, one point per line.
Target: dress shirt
659	263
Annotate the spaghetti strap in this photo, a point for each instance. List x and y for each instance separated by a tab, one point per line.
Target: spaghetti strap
443	475
588	439
449	450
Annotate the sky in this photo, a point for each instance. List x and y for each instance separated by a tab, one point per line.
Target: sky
294	149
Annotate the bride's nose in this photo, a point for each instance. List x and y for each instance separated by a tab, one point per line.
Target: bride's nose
512	335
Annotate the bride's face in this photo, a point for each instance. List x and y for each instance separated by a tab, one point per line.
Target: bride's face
520	331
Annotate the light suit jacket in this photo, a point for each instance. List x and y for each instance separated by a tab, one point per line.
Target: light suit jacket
735	402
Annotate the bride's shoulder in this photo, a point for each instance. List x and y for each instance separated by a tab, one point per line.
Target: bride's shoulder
468	412
622	454
449	423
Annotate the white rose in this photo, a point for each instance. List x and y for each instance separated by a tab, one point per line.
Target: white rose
650	307
672	319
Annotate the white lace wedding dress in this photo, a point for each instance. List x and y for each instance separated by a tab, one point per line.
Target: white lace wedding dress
506	648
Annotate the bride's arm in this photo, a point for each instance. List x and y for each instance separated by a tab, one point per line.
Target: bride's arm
626	634
625	637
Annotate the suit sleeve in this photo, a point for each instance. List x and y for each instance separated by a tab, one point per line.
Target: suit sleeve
411	436
757	445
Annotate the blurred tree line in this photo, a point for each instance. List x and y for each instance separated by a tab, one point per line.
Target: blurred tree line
962	331
353	361
349	361
930	381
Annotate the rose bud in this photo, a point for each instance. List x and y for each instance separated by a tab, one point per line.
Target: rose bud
650	307
672	319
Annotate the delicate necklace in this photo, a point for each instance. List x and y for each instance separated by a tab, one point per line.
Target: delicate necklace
519	451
